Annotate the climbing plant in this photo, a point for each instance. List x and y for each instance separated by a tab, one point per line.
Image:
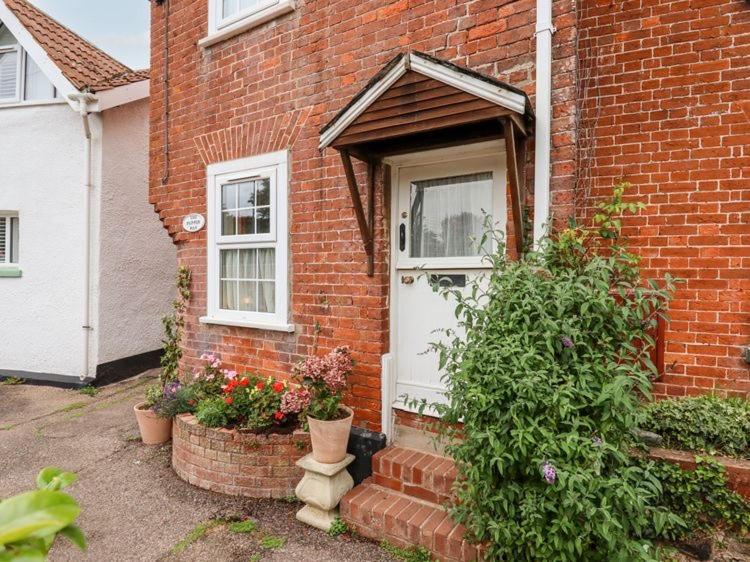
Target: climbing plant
174	324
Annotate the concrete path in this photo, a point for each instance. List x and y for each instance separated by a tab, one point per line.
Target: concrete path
134	506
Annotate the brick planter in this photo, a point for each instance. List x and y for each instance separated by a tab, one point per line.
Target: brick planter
737	471
235	463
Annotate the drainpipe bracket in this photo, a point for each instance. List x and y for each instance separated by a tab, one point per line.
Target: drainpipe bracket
541	29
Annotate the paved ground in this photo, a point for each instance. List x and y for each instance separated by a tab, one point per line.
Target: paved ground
134	506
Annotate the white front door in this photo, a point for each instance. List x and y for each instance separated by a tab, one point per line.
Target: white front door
440	202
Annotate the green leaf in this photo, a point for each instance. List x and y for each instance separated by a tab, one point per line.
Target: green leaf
35	514
52	478
74	533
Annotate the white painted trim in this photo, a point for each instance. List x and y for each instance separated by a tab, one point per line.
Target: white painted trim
480	88
277	165
40	56
288	328
32	103
19	73
121	95
218	32
386	414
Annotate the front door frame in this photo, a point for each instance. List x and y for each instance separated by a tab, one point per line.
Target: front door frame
396	163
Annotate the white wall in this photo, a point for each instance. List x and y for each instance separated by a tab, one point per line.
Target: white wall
41	162
137	260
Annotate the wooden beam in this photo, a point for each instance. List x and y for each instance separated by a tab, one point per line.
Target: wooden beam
515	187
365	229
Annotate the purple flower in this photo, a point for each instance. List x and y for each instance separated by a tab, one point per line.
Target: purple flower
566	341
549	473
170	389
597	441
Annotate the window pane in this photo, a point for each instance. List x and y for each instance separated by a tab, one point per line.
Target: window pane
6	37
247	194
266	263
14	240
248	292
447	215
229	8
228	223
263	196
246	222
267	297
229	295
229	196
263	220
229	264
8	74
37	85
248	4
247	264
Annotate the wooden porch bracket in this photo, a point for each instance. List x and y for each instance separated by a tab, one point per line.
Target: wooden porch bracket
515	181
366	222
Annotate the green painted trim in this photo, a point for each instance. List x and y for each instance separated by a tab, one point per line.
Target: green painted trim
13	271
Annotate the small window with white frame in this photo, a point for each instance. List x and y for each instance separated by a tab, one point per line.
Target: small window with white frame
225	16
21	79
8	239
247	242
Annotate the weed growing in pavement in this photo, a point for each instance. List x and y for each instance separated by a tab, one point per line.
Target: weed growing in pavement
88	390
272	543
338	527
246	526
413	554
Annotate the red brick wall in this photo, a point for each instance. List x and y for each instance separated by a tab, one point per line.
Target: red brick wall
274	87
665	104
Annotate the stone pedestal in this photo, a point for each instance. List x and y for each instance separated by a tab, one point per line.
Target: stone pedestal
322	488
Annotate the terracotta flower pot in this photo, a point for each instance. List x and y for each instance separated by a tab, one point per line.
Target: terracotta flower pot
154	430
330	438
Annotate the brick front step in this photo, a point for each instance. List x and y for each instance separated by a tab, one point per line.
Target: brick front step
415	473
402	503
405	521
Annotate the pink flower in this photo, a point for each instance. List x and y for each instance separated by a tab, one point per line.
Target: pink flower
229	375
294	401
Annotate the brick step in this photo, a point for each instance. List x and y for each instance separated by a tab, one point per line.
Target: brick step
405	521
425	476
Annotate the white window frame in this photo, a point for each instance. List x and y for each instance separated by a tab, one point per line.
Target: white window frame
19	72
275	166
221	28
7	217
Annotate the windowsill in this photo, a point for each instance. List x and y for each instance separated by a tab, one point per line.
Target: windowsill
289	328
251	21
30	103
10	271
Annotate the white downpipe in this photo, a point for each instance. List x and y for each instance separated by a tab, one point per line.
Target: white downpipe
543	147
83	102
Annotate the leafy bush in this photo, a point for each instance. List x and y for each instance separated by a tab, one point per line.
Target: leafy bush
173	327
708	424
546	381
700	498
30	522
213	412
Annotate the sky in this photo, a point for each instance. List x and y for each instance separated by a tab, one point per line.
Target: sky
119	27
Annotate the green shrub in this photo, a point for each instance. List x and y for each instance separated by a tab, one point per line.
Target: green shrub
700	498
338	527
213	412
707	424
546	381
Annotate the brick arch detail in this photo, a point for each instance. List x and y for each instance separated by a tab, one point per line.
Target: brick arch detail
249	139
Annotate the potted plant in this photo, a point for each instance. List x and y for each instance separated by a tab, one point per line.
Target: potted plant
317	401
154	415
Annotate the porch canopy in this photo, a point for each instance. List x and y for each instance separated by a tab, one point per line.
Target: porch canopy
418	102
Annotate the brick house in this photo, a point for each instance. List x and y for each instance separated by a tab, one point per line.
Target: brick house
326	143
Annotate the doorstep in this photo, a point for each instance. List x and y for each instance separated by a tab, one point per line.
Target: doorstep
402	503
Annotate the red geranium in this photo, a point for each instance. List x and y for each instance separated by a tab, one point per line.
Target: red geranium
245	381
229	400
278	416
260	385
278	387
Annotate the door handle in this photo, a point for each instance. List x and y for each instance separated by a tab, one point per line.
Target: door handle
407	279
402	237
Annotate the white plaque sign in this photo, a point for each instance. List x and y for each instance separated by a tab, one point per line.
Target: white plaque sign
193	222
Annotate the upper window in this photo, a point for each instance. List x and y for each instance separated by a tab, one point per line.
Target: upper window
247	242
15	63
227	18
8	239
